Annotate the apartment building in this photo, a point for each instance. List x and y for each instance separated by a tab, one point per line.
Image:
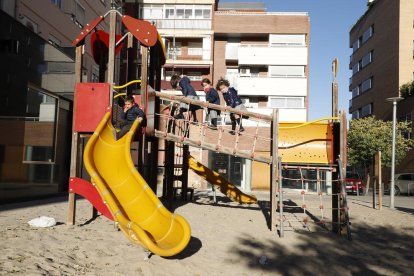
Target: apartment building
36	88
265	56
382	60
186	28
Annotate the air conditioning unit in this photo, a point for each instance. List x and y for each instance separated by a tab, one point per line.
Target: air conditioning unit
244	72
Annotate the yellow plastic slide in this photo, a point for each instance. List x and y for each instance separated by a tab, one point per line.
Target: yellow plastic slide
223	184
138	211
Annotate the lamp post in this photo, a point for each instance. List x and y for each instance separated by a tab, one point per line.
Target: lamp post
394	101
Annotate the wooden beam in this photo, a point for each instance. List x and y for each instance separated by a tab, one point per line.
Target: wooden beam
274	186
70	220
111	55
210	146
170	97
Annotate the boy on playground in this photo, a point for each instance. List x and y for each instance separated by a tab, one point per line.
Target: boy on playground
184	84
233	100
131	111
212	97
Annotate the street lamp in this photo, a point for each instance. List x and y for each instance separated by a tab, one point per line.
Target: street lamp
394	101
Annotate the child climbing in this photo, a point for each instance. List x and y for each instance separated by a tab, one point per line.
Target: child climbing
233	100
188	91
212	97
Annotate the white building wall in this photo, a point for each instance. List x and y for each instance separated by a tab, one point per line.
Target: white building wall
249	55
271	86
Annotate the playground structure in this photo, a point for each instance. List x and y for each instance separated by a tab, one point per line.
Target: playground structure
126	193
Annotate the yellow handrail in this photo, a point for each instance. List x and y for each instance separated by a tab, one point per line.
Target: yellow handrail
119	95
312	122
128	83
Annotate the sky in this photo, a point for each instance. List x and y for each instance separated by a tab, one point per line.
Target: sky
330	23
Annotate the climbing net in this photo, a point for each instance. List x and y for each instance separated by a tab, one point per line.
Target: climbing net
306	197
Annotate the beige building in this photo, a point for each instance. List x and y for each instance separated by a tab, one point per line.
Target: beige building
382	60
265	56
186	29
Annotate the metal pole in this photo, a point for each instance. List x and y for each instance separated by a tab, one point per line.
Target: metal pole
394	116
394	101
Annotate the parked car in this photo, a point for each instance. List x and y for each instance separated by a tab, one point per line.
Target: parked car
353	181
403	183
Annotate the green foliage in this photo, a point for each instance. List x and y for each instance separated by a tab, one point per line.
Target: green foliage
368	135
407	89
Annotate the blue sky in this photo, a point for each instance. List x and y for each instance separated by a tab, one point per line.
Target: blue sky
330	21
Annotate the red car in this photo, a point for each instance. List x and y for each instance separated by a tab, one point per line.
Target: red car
353	181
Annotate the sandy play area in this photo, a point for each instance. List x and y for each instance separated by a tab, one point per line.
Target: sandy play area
227	239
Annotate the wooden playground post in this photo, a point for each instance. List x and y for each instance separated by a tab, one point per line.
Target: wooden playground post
70	220
111	54
378	179
274	169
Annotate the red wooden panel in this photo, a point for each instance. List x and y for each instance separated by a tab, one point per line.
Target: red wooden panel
87	190
92	101
142	30
86	30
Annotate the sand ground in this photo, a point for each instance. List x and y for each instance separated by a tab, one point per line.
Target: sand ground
227	239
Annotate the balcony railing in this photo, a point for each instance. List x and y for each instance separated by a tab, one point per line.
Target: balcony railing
193	24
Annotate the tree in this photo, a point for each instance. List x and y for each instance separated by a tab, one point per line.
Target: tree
368	135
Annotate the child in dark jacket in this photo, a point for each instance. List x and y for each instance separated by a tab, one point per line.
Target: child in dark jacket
233	100
188	91
131	111
212	97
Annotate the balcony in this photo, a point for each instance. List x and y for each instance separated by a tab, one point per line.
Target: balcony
256	86
265	55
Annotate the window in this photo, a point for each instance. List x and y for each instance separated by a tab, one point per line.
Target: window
367	59
152	12
367	34
286	102
79	15
355	68
355	92
355	45
366	110
363	38
169	12
366	84
355	114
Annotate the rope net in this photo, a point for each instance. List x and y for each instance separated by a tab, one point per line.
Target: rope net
307	194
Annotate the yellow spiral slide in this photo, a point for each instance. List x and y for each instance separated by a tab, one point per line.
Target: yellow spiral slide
220	182
138	211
